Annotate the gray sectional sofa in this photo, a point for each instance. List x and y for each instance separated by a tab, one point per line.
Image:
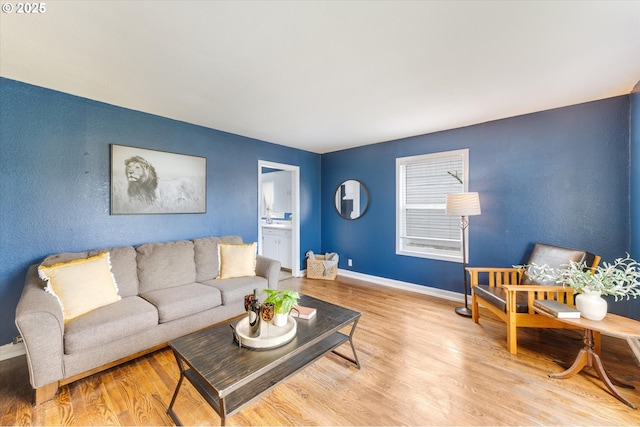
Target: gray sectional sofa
167	290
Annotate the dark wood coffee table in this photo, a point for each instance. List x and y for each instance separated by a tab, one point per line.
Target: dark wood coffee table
229	376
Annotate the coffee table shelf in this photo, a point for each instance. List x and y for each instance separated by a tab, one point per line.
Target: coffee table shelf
249	392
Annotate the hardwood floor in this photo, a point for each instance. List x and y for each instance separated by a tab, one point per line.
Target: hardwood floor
421	365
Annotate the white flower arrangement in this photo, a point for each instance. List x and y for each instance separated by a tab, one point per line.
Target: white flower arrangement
620	279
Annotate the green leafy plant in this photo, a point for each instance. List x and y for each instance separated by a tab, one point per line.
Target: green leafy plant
282	300
620	279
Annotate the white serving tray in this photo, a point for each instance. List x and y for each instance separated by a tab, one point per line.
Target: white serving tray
270	336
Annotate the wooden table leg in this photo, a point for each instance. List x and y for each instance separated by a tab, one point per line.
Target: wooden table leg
581	361
588	357
170	410
634	343
223	412
353	359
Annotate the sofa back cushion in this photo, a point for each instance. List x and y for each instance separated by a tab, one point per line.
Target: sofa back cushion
165	265
123	265
63	257
206	255
124	268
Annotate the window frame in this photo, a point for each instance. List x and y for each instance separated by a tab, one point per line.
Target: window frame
403	242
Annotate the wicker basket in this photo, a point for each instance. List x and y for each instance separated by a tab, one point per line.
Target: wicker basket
315	269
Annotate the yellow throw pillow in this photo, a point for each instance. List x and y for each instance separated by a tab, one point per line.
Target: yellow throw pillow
237	260
81	285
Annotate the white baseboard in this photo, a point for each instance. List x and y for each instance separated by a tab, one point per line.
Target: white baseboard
412	287
11	350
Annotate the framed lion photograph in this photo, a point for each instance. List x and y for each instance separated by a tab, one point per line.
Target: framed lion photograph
156	182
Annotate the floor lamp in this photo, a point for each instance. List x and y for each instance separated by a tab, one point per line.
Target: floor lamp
463	205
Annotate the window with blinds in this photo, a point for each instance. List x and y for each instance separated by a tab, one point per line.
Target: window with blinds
422	185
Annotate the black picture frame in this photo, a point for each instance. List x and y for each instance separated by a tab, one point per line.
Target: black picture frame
145	181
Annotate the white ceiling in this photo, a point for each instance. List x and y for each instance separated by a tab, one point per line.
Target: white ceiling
328	75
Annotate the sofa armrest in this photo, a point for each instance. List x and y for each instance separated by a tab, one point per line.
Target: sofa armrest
269	269
40	322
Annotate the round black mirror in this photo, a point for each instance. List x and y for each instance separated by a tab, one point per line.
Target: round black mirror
351	199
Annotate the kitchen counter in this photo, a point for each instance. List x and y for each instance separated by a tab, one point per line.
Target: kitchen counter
284	225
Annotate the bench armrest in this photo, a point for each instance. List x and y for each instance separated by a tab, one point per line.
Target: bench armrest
538	288
564	294
495	276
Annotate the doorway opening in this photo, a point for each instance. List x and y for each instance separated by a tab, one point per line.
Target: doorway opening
279	214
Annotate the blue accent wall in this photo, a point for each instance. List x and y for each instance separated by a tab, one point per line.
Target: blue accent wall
55	182
559	176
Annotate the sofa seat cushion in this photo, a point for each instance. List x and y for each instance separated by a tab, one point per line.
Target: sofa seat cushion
498	298
182	301
235	289
130	315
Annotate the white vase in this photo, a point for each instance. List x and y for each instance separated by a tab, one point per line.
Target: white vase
280	319
591	305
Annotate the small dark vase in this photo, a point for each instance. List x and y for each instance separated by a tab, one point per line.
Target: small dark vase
255	315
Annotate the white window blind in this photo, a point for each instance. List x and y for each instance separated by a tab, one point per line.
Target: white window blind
422	185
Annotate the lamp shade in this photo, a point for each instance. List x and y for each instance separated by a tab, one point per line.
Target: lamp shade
463	204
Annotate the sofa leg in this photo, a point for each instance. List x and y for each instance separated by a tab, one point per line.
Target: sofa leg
44	393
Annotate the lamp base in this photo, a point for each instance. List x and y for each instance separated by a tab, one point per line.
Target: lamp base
463	311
